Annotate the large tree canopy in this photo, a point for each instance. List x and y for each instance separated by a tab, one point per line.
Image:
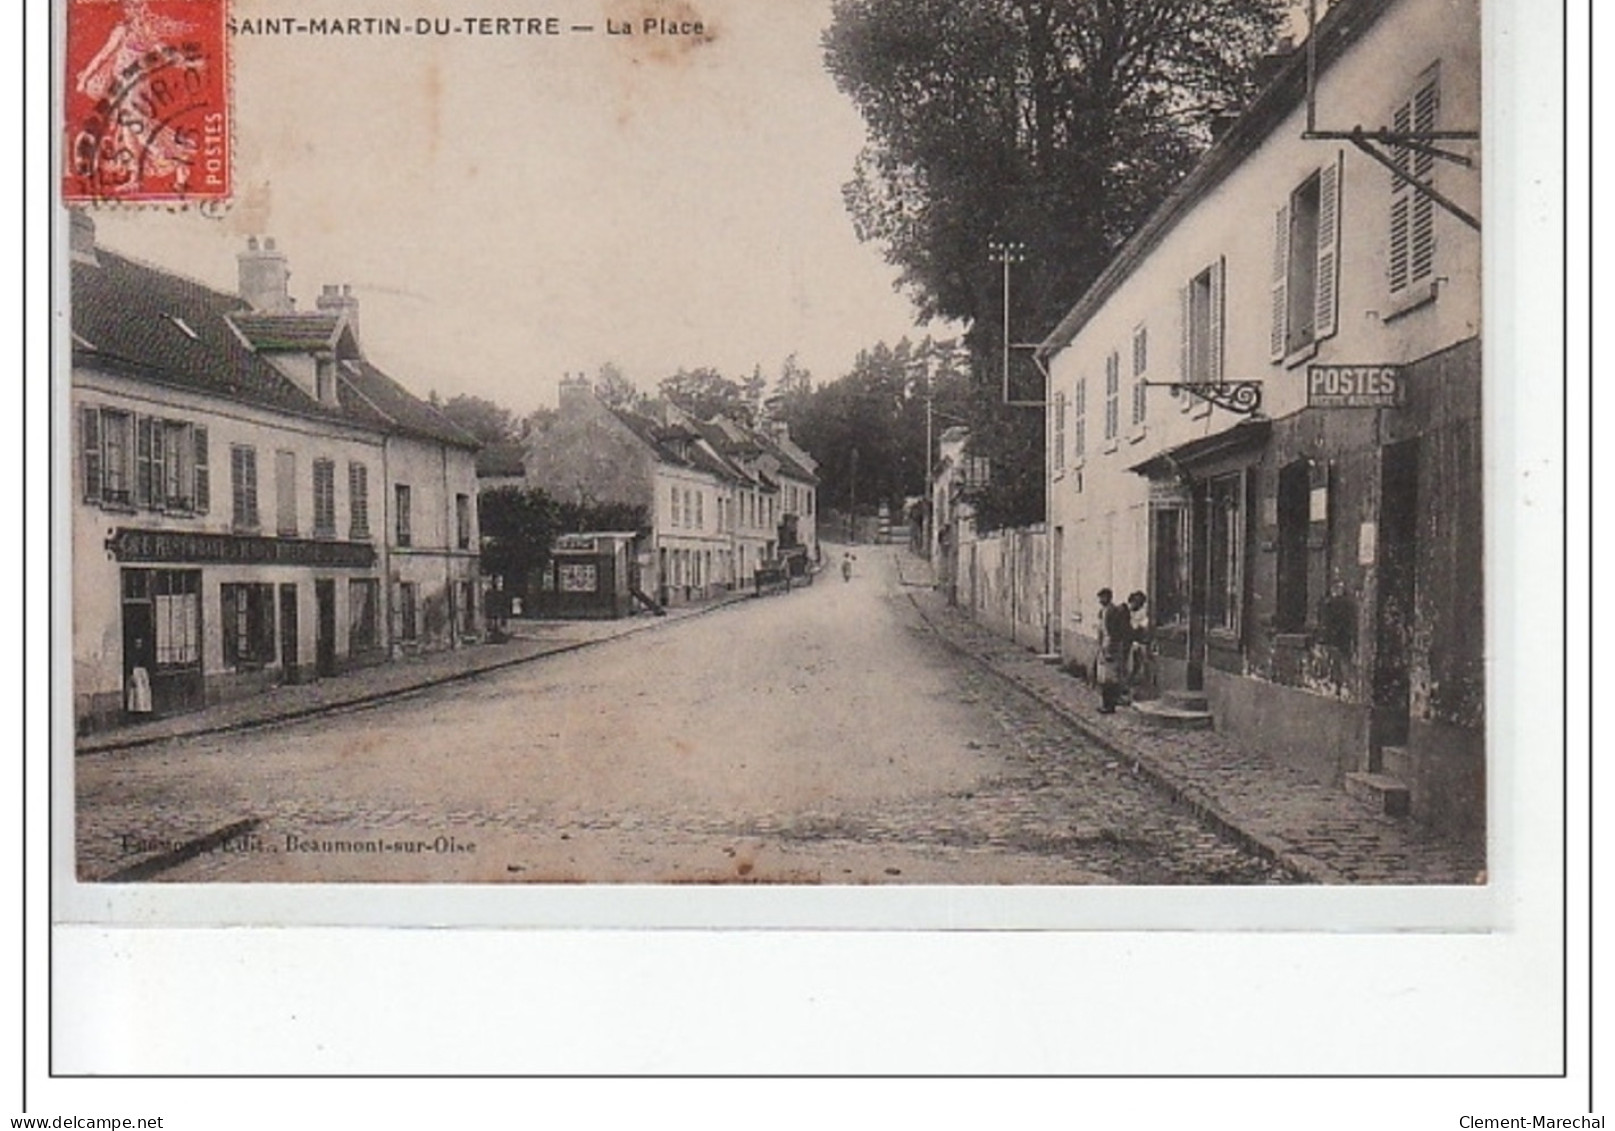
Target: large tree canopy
1058	124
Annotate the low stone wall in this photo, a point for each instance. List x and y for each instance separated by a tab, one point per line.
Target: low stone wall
1003	582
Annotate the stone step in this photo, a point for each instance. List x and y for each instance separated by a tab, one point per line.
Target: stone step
1381	792
1185	700
1161	713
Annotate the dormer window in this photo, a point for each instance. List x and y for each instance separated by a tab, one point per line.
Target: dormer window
325	381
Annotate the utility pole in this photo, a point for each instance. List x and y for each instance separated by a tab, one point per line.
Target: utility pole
1007	252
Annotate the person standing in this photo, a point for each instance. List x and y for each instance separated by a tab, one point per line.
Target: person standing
1115	637
1138	648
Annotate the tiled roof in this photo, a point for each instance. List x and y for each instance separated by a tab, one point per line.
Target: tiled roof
302	330
402	410
159	327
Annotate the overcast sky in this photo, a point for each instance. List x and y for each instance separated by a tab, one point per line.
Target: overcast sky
510	209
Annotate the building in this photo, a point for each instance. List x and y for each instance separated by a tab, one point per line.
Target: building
253	501
1266	413
721	500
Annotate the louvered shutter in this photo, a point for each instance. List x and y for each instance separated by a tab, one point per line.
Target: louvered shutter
1281	272
228	620
1214	322
143	462
202	498
1421	229
1326	298
90	449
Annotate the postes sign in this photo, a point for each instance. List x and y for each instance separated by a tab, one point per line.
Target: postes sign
1355	386
130	545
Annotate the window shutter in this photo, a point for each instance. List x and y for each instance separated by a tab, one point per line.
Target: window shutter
143	462
264	622
1281	271
227	618
201	469
1185	334
1214	336
90	448
1421	227
1326	302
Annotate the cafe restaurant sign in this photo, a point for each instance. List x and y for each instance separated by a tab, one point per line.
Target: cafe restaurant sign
129	545
1355	386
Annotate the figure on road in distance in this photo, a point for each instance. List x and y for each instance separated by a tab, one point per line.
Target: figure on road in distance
1115	634
846	567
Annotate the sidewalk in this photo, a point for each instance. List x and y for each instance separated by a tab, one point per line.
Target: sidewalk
530	640
1317	831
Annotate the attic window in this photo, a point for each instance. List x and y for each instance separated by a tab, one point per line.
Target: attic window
184	327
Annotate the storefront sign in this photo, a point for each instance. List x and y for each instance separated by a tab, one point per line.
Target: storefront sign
128	545
1355	386
577	542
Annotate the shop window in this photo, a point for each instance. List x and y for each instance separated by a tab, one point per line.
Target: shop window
402	519
1294	503
1169	590
1225	549
363	597
244	487
358	501
176	597
324	498
1306	236
249	625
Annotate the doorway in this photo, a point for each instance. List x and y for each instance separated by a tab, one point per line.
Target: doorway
324	627
288	633
1395	607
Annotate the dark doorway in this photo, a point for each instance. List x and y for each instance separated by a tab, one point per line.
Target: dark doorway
1398	557
288	633
1199	531
1294	515
139	651
325	627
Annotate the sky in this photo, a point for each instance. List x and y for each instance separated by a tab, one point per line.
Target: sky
510	209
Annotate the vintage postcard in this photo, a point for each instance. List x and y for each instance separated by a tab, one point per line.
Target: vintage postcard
749	457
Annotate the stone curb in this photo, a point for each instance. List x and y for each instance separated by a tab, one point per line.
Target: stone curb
1203	806
366	700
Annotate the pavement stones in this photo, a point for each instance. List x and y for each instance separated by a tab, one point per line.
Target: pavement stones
1319	832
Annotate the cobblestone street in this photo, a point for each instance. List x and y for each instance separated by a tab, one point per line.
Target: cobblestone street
824	736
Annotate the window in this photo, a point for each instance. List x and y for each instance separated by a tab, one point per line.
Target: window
1057	445
689	509
1306	235
673	512
1294	505
244	487
176	597
401	519
128	460
324	498
363	596
1113	391
462	520
1169	588
1225	549
407	602
249	625
325	381
700	517
1141	364
115	447
178	453
148	462
1413	240
1079	438
358	501
810	502
286	494
1202	303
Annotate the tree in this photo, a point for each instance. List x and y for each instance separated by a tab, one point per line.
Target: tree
613	387
705	393
518	526
1058	124
489	422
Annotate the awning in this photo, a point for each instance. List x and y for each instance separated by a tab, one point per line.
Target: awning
1244	436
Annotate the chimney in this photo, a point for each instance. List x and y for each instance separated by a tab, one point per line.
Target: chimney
264	276
340	300
577	393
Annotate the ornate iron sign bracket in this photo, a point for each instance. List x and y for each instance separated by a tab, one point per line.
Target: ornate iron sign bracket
1241	397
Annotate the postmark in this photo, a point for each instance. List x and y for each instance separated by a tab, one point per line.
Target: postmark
146	100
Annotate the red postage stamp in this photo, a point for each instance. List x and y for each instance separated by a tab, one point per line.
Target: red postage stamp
147	101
